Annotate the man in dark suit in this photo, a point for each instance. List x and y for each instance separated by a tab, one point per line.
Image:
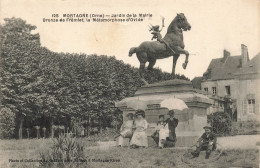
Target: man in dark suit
172	124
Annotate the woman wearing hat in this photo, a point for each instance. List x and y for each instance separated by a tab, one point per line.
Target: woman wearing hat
206	142
126	130
139	138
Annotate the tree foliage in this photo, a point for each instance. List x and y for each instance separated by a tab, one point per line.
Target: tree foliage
6	123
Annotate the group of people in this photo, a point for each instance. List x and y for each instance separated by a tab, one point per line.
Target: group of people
134	128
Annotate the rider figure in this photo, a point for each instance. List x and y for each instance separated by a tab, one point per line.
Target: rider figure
156	33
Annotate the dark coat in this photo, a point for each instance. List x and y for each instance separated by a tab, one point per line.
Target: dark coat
208	138
172	124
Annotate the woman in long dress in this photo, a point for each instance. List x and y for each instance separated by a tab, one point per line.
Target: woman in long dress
126	130
139	138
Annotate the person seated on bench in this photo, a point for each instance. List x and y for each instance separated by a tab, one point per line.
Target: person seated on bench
126	130
139	138
206	142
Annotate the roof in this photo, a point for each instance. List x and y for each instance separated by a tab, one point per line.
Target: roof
251	67
223	69
196	82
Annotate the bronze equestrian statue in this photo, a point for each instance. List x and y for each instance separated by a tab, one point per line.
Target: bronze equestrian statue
172	45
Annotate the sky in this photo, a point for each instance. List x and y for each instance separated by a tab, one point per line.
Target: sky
216	25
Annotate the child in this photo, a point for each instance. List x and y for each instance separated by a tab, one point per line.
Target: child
206	142
126	130
163	129
139	138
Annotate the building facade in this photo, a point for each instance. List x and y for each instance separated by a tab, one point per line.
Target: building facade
236	78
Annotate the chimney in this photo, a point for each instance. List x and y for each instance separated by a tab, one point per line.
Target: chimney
244	54
226	54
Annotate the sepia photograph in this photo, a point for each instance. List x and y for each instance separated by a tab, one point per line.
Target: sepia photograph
129	84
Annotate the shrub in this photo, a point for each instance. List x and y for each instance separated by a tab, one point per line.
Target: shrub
7	123
66	152
221	123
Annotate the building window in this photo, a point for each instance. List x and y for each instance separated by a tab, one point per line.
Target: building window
206	89
228	90
251	105
214	90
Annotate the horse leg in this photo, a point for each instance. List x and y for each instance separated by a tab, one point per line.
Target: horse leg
182	51
142	57
141	69
175	58
151	64
141	72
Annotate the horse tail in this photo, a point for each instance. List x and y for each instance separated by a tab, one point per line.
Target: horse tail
132	51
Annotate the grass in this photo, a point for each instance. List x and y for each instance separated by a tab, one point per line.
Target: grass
120	157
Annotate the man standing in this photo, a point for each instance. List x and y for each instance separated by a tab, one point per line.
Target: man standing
172	124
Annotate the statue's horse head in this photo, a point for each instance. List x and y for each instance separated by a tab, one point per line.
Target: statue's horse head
179	23
182	22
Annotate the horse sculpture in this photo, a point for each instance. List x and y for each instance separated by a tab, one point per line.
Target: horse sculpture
173	45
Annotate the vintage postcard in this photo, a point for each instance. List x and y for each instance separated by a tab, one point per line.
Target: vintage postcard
148	83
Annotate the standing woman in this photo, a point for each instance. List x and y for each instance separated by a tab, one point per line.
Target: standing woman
139	138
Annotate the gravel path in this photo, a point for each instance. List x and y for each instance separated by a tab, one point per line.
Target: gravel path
239	142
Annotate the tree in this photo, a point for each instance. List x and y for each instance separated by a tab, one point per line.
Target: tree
17	42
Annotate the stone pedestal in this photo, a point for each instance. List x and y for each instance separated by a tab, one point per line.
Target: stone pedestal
191	120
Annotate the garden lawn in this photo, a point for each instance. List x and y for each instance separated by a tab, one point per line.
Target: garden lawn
114	157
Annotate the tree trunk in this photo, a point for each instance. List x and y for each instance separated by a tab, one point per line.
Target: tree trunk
21	129
44	132
88	126
52	131
59	129
68	125
100	126
38	131
28	133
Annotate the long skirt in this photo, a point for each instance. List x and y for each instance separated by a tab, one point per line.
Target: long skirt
124	134
140	139
163	134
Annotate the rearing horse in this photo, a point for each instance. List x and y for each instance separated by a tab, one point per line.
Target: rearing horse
150	51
